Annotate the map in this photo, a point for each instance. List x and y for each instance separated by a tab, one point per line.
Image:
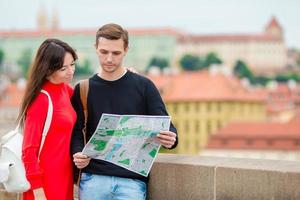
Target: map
127	140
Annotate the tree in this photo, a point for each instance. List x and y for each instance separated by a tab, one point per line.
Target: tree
24	61
191	63
281	78
2	55
287	77
212	58
242	71
84	68
161	63
261	80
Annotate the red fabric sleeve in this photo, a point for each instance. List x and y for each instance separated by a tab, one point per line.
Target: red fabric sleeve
34	124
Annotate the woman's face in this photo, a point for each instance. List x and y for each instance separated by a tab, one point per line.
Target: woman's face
65	74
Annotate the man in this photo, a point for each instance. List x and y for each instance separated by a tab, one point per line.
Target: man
114	90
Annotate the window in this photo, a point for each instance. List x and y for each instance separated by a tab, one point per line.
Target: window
186	126
175	108
197	126
197	107
208	127
187	107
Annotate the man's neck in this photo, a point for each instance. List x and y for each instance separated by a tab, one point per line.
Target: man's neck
112	76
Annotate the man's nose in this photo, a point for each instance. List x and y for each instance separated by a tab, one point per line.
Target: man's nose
109	57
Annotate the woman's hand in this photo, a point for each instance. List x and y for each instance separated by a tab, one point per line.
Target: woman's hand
39	194
81	160
131	69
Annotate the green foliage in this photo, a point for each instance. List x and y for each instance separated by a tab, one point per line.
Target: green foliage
83	68
161	63
261	80
191	62
287	77
242	70
281	78
2	55
212	58
24	61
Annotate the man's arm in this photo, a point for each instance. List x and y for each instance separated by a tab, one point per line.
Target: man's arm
156	106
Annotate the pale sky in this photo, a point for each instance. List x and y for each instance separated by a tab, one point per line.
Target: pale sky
196	16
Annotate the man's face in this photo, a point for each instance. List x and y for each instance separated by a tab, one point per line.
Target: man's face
110	54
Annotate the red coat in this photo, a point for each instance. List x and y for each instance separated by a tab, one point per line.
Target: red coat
54	170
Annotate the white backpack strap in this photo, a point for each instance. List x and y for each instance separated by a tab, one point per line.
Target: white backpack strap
48	119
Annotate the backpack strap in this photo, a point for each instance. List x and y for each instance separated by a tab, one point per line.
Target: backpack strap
84	90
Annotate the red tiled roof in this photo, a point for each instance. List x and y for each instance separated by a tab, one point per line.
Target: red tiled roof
258	130
273	23
202	86
258	135
228	38
11	97
90	32
283	98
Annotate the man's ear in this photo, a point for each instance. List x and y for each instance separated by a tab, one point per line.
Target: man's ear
126	50
95	45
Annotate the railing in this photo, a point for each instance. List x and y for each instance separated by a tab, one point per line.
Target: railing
211	178
178	177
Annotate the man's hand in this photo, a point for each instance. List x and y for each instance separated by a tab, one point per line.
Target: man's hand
166	138
80	160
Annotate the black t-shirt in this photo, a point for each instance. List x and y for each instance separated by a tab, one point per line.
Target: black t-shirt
132	94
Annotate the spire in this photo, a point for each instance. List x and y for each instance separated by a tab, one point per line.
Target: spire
55	19
274	28
42	18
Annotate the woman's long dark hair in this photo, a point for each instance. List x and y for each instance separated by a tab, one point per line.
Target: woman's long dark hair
49	58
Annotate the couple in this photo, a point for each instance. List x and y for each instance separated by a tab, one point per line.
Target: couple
113	90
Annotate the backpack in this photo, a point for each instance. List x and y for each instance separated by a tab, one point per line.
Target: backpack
12	171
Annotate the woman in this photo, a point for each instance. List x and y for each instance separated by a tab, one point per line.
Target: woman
50	172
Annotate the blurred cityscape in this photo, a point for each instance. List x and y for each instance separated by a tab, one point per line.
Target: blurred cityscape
232	95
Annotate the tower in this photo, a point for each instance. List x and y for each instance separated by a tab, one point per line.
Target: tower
55	19
273	28
42	19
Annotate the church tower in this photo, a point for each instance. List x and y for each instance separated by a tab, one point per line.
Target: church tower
55	19
42	19
274	28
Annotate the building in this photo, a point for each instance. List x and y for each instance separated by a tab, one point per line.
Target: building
261	140
263	52
144	44
10	99
283	101
202	102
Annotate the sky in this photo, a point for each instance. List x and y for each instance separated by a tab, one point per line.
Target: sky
195	16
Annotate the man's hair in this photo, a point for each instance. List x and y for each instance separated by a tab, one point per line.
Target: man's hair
112	32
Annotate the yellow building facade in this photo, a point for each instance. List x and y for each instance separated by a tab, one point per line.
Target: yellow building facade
197	120
200	103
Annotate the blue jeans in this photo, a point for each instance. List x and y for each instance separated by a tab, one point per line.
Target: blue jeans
99	187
